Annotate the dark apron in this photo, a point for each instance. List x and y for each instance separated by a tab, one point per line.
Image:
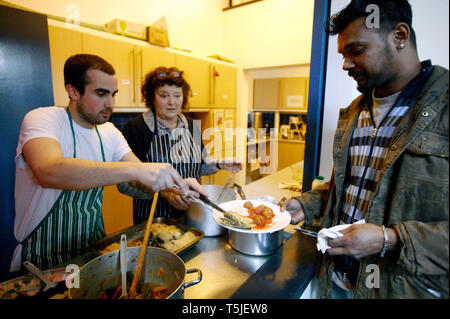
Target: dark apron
178	149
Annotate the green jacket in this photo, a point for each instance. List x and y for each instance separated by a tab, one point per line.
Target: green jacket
412	197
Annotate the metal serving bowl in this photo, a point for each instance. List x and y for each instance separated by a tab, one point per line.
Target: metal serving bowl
261	244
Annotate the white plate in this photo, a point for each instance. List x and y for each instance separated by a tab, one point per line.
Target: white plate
280	221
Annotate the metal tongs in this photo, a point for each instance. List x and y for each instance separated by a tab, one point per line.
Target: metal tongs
204	200
307	232
208	202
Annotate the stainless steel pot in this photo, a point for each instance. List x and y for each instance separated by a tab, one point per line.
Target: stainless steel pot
200	216
258	244
103	272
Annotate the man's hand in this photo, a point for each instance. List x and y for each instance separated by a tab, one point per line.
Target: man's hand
294	208
159	177
182	201
361	240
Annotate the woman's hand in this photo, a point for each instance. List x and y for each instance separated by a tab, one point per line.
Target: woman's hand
175	200
182	201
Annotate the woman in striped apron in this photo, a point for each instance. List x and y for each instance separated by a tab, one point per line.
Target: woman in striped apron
71	226
165	135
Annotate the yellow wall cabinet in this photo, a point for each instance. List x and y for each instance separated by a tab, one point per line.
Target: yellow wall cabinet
124	58
281	94
221	140
294	93
63	44
196	72
290	153
131	62
213	85
117	210
223	86
266	94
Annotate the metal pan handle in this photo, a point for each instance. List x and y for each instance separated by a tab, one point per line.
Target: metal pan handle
196	281
239	190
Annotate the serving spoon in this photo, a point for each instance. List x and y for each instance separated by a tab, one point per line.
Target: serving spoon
123	265
132	294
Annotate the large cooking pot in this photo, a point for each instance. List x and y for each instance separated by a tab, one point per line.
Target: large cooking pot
160	267
200	216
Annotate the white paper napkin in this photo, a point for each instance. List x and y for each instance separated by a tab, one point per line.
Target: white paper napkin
332	232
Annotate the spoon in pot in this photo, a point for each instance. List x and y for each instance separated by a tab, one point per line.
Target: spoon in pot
132	293
123	265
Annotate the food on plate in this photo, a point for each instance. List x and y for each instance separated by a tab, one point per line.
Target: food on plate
234	219
248	204
248	216
162	235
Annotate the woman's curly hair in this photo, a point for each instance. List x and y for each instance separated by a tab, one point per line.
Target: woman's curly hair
161	76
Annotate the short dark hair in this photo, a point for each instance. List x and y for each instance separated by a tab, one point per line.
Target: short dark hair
161	76
392	12
76	67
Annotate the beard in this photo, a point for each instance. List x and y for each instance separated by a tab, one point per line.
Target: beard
382	73
94	120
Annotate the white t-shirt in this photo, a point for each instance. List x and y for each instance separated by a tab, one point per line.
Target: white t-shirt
32	201
382	105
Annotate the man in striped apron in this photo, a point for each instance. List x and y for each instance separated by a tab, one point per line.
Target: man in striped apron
64	158
391	169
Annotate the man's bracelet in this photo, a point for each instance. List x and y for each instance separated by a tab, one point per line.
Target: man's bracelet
386	239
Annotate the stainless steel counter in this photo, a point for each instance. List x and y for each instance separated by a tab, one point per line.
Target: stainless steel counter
224	269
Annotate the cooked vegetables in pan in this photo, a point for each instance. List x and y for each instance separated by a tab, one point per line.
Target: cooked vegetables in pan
165	236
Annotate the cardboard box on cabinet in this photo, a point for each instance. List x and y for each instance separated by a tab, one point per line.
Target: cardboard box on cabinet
127	28
158	33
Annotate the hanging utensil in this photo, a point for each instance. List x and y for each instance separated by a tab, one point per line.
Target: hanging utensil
137	273
224	188
123	265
